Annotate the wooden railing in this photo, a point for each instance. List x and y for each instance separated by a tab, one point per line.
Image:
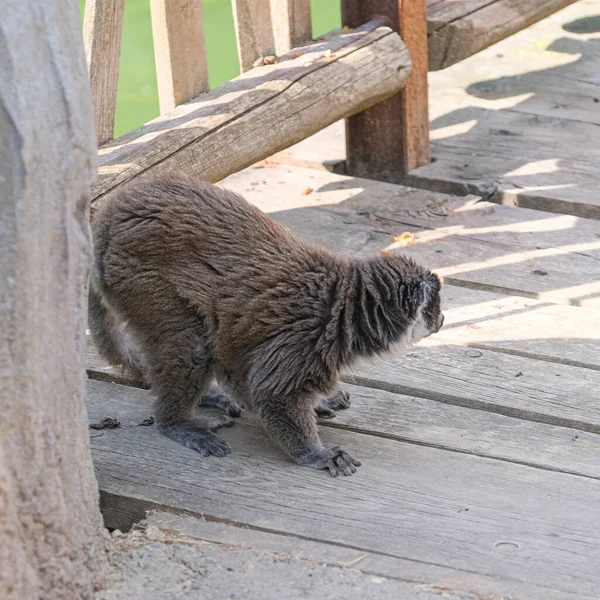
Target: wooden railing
384	141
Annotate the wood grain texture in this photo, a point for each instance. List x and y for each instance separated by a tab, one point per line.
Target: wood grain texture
510	385
473	516
390	139
464	419
472	244
512	158
291	24
262	111
458	30
331	554
51	542
479	432
102	28
538	329
253	30
415	96
179	51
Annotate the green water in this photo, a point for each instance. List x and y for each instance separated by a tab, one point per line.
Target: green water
137	98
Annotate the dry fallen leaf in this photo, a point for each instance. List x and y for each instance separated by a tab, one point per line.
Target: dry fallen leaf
346	29
306	191
406	239
385	253
261	61
296	55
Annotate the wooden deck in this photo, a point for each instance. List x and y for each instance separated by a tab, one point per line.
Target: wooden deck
480	447
518	123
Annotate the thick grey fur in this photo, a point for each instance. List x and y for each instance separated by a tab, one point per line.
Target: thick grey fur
191	283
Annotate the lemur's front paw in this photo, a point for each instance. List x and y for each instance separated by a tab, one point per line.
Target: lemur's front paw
327	407
216	397
336	460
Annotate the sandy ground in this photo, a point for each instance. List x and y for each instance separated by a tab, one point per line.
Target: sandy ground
154	565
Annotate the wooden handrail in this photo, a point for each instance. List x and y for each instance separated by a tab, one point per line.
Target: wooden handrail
261	112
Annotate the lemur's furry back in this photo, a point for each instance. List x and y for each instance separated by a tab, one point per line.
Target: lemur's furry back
191	283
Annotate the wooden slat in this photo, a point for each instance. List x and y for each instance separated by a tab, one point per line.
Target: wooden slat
254	31
262	112
513	158
459	29
102	27
330	554
479	432
538	329
472	244
179	51
291	24
510	385
415	96
463	418
392	138
477	517
543	392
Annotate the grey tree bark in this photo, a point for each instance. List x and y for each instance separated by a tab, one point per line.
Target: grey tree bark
51	539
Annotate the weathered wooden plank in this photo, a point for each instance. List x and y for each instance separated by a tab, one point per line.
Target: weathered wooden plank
508	382
510	123
459	29
532	328
392	138
253	30
512	158
510	385
291	24
448	380
179	51
415	96
102	27
332	555
480	432
263	111
511	525
472	244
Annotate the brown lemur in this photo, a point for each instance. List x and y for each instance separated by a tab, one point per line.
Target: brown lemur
192	284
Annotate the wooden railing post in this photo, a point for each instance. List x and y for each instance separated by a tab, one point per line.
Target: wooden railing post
179	51
392	138
291	24
102	27
267	27
254	31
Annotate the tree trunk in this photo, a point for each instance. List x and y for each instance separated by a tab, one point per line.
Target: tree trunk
51	540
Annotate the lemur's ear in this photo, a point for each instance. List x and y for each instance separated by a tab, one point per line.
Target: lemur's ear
427	288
